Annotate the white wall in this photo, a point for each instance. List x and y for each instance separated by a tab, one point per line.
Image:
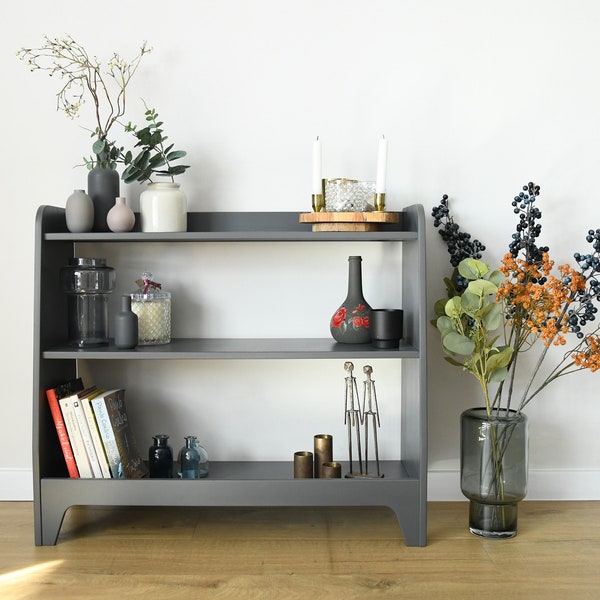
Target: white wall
476	98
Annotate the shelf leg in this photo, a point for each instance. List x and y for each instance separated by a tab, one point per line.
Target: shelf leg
52	519
414	530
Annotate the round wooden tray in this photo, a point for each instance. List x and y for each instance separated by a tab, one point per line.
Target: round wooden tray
348	221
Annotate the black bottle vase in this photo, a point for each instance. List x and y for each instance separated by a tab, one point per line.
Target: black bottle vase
350	322
126	325
160	458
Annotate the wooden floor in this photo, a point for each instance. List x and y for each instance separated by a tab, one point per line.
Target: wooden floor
288	553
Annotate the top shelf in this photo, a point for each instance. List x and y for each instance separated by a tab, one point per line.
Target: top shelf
234	227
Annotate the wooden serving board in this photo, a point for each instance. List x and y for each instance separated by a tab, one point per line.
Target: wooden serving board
348	221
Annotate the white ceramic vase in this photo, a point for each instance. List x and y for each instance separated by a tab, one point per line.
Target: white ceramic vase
79	212
120	217
163	207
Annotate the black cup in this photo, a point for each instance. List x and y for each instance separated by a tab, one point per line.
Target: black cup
385	326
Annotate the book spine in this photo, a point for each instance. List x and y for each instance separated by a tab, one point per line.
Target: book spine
63	436
108	437
97	441
87	438
79	452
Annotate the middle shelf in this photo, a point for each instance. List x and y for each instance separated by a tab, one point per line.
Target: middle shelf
236	348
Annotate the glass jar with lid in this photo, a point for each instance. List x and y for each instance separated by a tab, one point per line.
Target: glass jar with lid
87	282
152	305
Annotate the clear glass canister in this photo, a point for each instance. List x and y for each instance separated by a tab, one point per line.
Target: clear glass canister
87	281
153	309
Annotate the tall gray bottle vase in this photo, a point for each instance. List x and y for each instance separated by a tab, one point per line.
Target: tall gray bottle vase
103	188
350	322
126	325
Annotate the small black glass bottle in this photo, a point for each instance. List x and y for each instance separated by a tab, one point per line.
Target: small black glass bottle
160	458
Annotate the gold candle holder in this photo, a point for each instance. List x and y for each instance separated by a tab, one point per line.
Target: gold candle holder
323	451
303	465
318	202
379	202
331	470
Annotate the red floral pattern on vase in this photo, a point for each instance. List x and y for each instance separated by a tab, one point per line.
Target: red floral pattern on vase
357	318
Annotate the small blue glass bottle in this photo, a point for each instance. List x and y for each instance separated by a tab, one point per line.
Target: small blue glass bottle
193	459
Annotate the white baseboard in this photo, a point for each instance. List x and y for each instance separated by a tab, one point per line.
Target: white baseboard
16	485
543	484
576	484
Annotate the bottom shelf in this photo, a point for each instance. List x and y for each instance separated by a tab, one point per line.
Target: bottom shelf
241	484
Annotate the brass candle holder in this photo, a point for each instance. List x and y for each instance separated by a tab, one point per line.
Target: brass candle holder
303	465
323	444
379	201
318	200
331	470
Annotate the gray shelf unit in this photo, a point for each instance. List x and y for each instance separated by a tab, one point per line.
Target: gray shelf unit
404	487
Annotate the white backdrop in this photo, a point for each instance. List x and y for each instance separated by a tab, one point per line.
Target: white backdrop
476	98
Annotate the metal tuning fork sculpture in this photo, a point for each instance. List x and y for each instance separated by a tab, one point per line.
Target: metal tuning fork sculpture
357	415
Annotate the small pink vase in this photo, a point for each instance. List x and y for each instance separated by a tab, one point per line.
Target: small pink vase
120	217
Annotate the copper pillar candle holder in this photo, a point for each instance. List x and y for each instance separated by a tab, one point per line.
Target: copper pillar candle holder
331	470
303	465
323	451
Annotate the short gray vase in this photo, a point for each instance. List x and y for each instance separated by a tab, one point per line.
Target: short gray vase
126	325
103	188
79	212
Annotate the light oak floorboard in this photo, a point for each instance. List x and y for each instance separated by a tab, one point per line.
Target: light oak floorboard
288	553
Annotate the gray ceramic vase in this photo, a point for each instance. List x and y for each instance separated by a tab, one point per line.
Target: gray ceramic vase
350	322
79	212
103	188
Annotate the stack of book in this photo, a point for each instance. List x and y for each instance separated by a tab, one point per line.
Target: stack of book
94	432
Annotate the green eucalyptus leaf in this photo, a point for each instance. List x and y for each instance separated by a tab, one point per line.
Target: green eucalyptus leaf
157	161
178	169
496	277
499	359
445	324
130	174
471	268
453	361
492	316
498	375
482	287
98	146
155	139
471	304
458	344
453	308
176	154
439	307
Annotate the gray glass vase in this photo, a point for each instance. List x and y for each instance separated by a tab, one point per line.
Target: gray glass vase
493	469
